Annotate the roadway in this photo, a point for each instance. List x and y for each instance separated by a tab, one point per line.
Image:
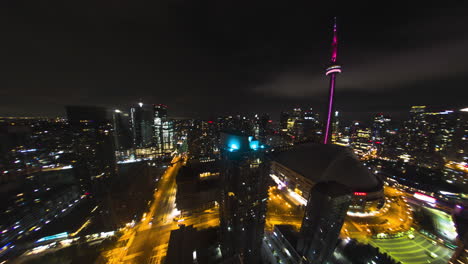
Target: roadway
281	211
146	242
395	216
203	220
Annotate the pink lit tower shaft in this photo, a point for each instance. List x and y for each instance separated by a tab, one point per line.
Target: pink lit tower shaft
331	71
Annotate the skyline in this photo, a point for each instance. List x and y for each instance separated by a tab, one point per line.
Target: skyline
202	59
208	131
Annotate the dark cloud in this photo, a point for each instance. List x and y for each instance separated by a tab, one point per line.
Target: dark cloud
208	57
380	72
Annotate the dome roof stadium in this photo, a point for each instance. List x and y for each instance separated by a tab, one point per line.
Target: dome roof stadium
325	163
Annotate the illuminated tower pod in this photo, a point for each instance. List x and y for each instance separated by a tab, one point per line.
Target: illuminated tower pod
331	71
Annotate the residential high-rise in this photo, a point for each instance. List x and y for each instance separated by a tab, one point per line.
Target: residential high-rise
122	135
160	111
323	219
203	139
460	142
92	145
296	124
413	138
335	127
380	126
430	138
141	125
440	130
312	125
284	117
244	175
261	127
163	133
331	71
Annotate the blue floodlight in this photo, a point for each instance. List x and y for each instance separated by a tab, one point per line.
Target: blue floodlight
254	144
234	146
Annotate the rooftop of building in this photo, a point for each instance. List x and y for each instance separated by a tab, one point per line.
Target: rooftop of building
186	240
325	163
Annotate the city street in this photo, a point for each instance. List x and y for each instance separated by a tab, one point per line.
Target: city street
281	212
206	219
394	217
147	241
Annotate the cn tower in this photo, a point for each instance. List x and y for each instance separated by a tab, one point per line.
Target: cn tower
331	71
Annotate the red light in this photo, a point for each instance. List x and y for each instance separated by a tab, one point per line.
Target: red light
86	193
378	142
360	193
210	122
270	121
424	197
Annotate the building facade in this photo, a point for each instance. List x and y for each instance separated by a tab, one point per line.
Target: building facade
244	173
93	146
323	219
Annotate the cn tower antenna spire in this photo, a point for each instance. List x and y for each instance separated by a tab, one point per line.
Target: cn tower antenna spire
331	71
334	43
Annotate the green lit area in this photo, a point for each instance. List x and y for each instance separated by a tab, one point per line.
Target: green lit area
415	250
443	224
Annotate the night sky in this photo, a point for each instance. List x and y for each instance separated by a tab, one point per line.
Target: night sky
210	57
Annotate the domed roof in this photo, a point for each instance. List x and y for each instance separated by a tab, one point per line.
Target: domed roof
324	163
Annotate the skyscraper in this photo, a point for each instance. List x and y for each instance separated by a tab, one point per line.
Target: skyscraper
323	219
296	123
243	197
441	127
141	125
331	71
311	125
284	117
160	111
380	126
414	139
92	145
261	127
335	127
460	149
122	138
163	133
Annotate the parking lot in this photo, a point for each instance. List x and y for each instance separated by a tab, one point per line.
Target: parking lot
413	251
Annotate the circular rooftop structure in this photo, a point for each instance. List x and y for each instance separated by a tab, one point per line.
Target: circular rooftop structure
325	163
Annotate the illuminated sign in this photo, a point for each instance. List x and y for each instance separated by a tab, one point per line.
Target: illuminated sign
424	197
360	193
